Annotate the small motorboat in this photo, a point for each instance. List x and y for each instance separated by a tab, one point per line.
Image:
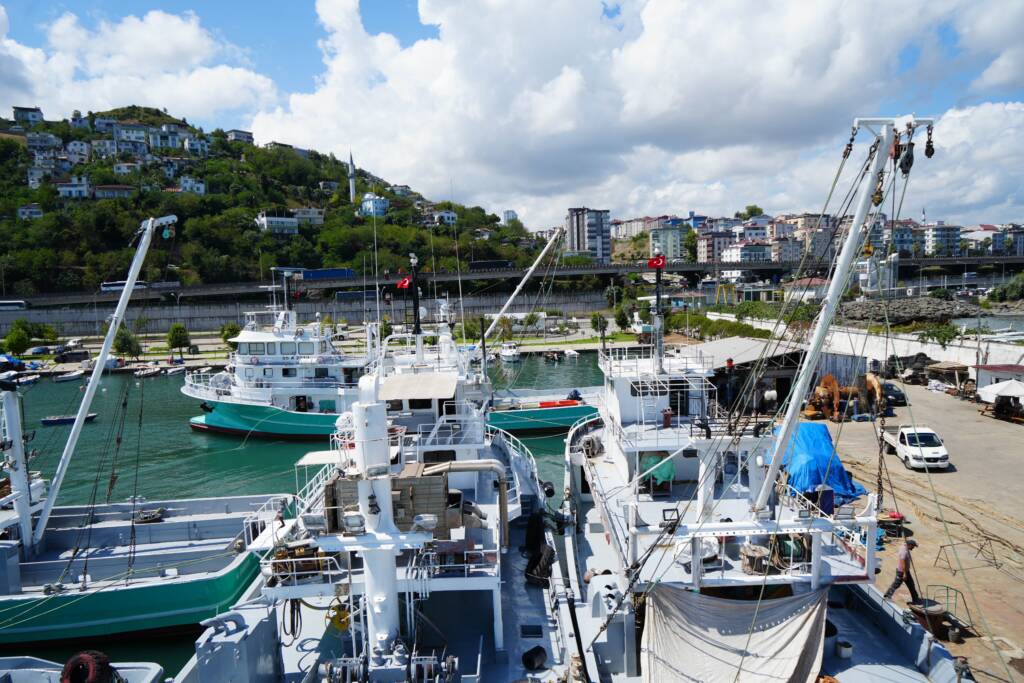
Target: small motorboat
53	420
572	353
176	370
70	376
554	356
204	370
25	380
148	372
509	352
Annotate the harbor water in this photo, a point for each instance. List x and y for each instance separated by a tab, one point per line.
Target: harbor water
151	452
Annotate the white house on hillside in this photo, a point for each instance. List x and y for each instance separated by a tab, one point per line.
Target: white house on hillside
235	135
75	187
28	116
277	225
309	215
103	149
193	185
445	217
77	151
28	212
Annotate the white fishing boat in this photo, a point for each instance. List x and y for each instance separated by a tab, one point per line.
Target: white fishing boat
72	376
509	352
25	380
396	565
149	371
177	370
693	555
105	568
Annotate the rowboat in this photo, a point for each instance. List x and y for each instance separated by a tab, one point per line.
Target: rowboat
52	420
70	376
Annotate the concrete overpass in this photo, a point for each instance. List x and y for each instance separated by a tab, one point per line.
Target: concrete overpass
908	266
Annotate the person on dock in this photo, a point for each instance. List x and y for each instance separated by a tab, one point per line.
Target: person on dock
904	575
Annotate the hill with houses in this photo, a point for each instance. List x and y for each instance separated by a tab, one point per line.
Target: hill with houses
73	191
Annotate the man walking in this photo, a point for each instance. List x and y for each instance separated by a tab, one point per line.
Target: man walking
903	572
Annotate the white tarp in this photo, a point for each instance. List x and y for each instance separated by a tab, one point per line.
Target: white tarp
693	637
1012	388
420	385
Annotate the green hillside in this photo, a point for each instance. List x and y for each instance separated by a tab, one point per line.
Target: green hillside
78	244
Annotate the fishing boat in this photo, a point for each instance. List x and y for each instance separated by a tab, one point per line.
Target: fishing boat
72	376
52	420
150	371
396	567
519	410
290	380
693	554
77	571
178	370
26	380
509	352
205	368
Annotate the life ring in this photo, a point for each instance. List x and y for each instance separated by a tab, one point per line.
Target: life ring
299	332
253	360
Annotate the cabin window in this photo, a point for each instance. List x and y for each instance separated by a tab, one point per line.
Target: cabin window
249	373
437	457
268	372
395	404
307	348
320	373
323	347
287	348
271	348
257	348
421	403
647	389
288	372
243	348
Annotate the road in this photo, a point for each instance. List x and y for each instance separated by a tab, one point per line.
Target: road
234	289
979	498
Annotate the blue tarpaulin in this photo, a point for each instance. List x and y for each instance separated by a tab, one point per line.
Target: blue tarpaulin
807	462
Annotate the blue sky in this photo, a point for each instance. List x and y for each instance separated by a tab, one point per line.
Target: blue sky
642	107
278	38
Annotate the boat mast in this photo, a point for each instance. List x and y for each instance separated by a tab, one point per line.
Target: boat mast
17	465
145	234
851	247
417	328
522	283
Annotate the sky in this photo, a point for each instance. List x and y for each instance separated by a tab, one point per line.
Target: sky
643	107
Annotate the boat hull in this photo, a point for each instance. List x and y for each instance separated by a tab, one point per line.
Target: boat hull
264	422
106	611
526	419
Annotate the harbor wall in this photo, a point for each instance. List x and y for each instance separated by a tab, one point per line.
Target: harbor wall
88	320
859	342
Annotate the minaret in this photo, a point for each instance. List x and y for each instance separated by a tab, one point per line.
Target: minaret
351	178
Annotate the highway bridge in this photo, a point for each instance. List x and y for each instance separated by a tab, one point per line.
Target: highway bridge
909	268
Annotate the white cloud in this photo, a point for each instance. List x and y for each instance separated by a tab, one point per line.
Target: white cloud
158	59
539	105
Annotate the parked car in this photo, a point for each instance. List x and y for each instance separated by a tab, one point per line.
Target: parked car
894	396
915	446
38	351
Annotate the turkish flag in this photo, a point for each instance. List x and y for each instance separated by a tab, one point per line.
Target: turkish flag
657	262
404	282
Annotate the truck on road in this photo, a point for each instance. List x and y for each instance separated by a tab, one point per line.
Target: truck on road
918	446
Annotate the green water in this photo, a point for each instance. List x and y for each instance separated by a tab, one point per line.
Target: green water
166	459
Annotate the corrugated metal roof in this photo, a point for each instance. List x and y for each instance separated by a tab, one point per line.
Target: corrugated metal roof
741	349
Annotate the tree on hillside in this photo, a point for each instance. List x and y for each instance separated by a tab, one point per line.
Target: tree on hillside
127	344
229	331
749	212
622	318
17	341
690	246
177	338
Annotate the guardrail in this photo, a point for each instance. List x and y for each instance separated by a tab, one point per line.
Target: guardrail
256	522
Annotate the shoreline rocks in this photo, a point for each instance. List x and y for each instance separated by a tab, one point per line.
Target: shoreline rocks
902	311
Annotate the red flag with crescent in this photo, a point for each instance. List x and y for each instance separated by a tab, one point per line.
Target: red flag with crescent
404	282
657	262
